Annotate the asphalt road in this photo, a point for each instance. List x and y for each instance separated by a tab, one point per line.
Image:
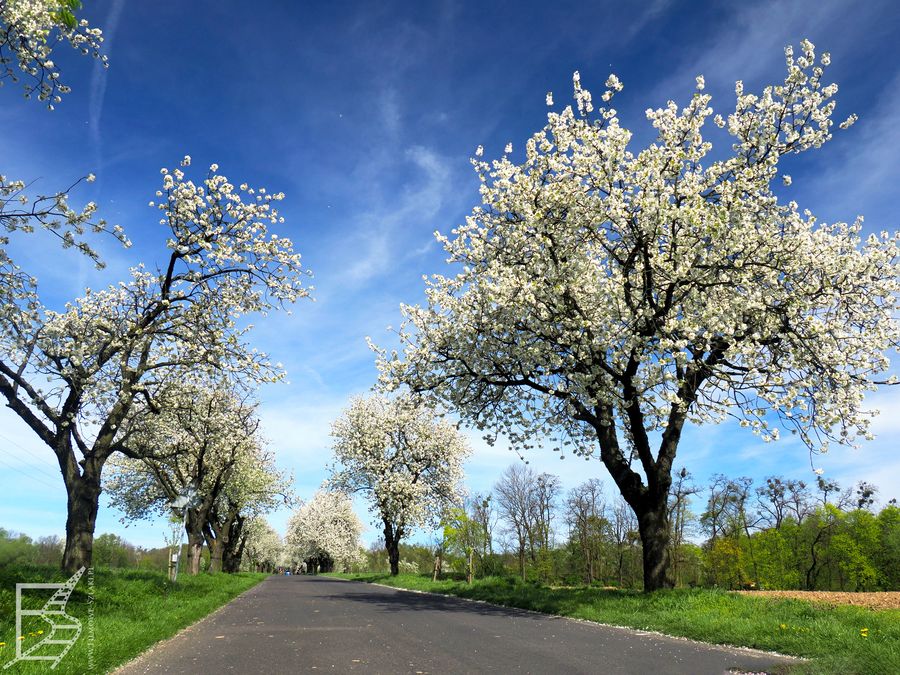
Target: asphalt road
315	624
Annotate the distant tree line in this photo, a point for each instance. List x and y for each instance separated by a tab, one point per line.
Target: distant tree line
262	551
110	550
732	533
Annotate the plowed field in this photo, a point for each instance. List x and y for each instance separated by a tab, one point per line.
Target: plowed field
885	600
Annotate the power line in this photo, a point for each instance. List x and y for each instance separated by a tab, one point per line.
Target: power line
26	465
30	454
27	475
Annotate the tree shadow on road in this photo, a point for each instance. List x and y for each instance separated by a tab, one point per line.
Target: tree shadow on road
399	600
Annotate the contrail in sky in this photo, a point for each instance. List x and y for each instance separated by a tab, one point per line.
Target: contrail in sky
98	79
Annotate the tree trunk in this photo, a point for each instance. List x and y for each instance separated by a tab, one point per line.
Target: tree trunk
82	505
437	567
218	536
194	528
216	540
215	554
392	545
653	526
231	559
233	550
195	554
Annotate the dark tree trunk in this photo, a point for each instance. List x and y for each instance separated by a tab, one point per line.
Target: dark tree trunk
231	560
82	506
812	574
193	525
590	568
653	525
215	555
392	545
234	548
216	540
217	531
649	502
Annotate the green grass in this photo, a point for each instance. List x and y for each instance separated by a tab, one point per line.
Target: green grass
133	609
829	636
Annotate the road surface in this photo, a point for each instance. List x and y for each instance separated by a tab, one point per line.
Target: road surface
300	624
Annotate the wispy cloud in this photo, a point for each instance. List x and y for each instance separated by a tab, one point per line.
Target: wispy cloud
399	222
652	11
867	166
389	110
99	78
750	41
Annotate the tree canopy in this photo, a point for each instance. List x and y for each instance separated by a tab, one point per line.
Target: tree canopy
325	532
608	296
407	462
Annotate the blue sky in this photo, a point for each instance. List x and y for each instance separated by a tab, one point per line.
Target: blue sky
365	116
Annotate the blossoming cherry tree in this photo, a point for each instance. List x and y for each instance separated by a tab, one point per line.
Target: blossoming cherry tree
608	296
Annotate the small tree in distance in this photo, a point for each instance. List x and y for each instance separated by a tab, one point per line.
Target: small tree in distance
325	532
407	462
607	297
264	547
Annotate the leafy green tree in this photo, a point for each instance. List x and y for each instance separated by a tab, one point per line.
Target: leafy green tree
110	550
888	556
464	536
585	509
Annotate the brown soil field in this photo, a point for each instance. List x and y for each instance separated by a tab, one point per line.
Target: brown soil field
883	600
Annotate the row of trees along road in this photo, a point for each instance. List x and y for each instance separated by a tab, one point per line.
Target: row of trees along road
205	436
263	550
607	296
606	299
77	377
324	533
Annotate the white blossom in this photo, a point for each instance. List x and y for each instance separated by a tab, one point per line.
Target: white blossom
263	548
605	295
326	526
29	32
849	122
75	375
401	456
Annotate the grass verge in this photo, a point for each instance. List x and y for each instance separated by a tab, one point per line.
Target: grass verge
843	639
132	610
